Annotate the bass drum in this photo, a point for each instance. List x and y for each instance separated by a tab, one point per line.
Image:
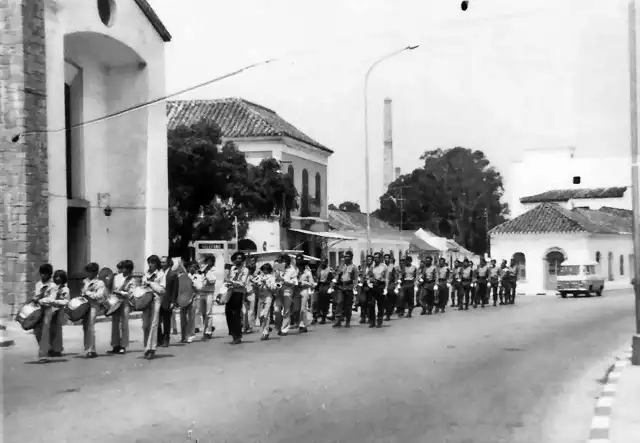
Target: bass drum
29	316
140	298
185	291
77	308
112	304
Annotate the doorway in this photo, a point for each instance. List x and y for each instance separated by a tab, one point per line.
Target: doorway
553	261
77	247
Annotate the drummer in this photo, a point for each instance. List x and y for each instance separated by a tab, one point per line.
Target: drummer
62	297
94	290
41	296
153	279
123	284
237	280
207	295
189	313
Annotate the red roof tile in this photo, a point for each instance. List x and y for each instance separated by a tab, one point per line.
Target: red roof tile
563	195
551	218
237	118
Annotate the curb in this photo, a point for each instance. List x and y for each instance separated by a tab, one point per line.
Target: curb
601	422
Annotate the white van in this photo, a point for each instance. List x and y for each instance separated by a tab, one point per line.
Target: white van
580	278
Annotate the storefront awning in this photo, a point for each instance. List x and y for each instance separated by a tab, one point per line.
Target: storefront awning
327	235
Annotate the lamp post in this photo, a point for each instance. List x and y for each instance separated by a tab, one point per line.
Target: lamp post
366	133
633	113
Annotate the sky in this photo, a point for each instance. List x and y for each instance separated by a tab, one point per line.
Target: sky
502	77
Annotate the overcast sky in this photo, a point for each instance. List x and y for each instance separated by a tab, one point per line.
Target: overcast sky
505	76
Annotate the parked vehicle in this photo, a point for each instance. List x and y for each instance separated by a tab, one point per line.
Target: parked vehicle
580	278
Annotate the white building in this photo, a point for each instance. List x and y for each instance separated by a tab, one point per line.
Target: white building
98	191
260	133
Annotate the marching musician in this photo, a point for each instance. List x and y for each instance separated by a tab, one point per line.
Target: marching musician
288	279
513	281
444	285
207	296
320	302
378	286
456	283
62	297
95	291
253	264
168	301
188	313
123	284
249	303
466	280
504	282
494	281
306	284
392	277
482	279
42	295
429	280
343	283
238	281
266	288
155	280
363	289
407	282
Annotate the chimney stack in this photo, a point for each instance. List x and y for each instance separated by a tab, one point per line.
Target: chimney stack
387	169
398	174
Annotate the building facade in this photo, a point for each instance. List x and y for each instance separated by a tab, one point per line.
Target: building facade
84	166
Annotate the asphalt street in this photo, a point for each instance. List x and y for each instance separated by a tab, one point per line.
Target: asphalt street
516	374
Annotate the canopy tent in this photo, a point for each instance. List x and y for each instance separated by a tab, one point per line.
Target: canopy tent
325	235
270	256
418	245
437	243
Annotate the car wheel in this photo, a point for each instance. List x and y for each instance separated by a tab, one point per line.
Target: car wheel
599	293
563	294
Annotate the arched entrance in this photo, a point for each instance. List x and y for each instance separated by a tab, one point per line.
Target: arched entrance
551	265
247	245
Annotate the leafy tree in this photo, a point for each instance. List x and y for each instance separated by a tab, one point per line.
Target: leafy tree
209	186
349	207
332	207
455	194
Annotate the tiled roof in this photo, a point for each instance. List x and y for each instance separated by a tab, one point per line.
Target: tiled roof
357	221
551	218
153	18
237	118
624	213
563	195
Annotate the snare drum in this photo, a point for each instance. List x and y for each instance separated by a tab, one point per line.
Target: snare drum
77	308
29	316
112	304
140	298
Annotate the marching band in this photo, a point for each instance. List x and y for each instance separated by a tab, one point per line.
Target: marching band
286	294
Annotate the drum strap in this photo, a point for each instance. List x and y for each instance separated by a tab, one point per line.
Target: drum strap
125	282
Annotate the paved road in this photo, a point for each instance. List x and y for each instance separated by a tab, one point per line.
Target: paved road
517	374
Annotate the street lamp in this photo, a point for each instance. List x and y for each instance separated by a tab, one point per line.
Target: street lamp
366	133
633	112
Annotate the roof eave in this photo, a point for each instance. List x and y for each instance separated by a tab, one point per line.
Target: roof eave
155	21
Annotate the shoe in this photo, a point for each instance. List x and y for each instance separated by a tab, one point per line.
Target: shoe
174	332
282	334
372	325
146	353
236	341
264	338
91	355
55	354
379	325
190	339
363	320
387	318
113	351
197	330
303	329
347	324
314	322
151	355
337	324
206	336
166	341
323	321
122	351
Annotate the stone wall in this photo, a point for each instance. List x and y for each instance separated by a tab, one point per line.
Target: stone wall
24	236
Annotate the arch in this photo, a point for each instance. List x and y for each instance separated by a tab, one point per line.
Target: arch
102	48
610	265
305	193
247	245
552	260
598	256
521	259
318	189
621	265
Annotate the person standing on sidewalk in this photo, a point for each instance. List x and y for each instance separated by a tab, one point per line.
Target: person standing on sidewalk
95	291
306	284
208	296
343	283
124	284
238	281
42	296
155	280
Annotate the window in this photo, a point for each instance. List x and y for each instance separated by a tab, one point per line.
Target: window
598	257
305	193
621	265
318	189
589	270
291	173
569	270
520	258
576	180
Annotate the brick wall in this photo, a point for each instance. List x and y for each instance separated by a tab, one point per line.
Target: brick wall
23	180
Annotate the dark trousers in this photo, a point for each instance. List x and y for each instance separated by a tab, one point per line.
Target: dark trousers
320	302
466	295
164	325
443	296
343	303
458	290
296	307
407	298
494	292
480	294
362	302
428	298
376	299
233	312
512	292
505	293
392	299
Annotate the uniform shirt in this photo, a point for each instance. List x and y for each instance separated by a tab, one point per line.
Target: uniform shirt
306	280
347	276
409	274
494	273
430	274
380	273
118	279
94	289
456	274
466	274
239	275
324	275
267	286
159	277
482	272
43	290
443	273
504	273
513	271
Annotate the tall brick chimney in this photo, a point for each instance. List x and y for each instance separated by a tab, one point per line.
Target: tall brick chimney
387	174
24	222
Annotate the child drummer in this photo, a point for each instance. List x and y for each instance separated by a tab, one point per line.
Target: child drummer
123	285
44	297
94	290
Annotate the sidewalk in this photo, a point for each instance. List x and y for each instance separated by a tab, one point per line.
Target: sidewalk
625	418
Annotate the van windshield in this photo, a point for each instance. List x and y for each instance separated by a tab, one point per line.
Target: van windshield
569	270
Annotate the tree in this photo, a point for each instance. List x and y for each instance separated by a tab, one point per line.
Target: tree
332	207
349	206
210	186
455	194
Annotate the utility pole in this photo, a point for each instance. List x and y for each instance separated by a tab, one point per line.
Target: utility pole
633	113
401	202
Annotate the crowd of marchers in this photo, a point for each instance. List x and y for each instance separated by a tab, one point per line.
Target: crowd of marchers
290	294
